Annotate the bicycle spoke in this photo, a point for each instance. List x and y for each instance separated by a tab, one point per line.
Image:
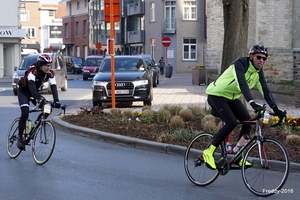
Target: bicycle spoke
270	166
43	143
12	138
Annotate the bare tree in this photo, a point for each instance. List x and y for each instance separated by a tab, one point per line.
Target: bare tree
236	22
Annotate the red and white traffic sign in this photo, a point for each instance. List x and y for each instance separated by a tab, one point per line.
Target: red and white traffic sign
166	41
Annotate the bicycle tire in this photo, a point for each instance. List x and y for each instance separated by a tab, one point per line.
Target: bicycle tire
194	165
266	181
43	143
12	138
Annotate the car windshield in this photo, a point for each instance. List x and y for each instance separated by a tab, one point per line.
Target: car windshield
93	62
123	64
77	60
26	62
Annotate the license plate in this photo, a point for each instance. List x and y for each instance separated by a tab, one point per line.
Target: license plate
121	91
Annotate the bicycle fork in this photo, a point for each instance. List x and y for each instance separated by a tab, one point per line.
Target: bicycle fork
262	153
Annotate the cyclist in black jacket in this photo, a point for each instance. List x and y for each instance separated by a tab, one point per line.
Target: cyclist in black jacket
29	85
223	96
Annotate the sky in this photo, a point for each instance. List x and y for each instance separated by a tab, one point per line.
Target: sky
49	1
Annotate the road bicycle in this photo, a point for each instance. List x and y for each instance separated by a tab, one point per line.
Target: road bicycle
269	158
42	134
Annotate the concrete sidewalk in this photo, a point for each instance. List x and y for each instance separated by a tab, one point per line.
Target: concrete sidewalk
177	90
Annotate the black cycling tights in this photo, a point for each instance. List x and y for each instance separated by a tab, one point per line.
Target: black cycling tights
230	111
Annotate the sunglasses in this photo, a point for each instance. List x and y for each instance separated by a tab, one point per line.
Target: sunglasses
48	65
261	57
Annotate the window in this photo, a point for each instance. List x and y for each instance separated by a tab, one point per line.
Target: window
77	29
85	28
66	30
189	49
78	5
189	10
55	31
85	3
24	16
30	32
51	13
170	13
152	12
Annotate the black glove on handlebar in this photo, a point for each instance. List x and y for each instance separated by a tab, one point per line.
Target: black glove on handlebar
56	104
256	106
41	101
279	112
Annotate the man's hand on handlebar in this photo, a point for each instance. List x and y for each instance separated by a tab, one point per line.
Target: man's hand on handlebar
257	106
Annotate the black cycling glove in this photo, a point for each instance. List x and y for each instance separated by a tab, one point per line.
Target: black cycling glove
279	112
256	106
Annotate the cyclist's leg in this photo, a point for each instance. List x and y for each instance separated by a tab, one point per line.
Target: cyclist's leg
23	98
220	105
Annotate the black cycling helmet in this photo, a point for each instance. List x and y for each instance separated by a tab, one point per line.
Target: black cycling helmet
44	58
258	49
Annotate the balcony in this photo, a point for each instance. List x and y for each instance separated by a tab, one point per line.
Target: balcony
169	25
104	37
136	36
137	8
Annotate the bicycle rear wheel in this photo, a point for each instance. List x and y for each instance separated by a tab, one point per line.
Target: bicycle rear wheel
194	165
12	138
43	143
269	170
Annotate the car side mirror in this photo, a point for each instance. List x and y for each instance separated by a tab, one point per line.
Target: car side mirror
15	68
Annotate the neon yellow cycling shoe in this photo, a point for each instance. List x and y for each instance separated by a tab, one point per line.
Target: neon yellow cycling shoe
240	161
208	155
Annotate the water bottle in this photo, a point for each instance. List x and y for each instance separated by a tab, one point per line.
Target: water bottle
244	139
228	144
28	126
266	118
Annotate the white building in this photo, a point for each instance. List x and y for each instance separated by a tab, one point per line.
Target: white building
11	35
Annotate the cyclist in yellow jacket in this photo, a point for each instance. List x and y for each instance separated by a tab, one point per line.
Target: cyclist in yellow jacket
223	96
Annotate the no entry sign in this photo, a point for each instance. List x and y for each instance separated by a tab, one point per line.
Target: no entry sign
166	41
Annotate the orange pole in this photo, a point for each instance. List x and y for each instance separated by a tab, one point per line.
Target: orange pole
112	51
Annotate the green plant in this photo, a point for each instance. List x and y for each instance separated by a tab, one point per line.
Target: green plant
186	114
174	110
148	113
176	122
128	114
163	116
116	112
209	123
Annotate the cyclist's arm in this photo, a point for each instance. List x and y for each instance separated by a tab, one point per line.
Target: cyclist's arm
32	86
52	83
262	86
240	67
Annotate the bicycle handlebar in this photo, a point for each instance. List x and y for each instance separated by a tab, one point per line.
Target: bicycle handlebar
260	114
38	106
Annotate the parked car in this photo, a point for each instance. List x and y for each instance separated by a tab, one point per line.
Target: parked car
133	81
74	64
90	65
154	68
58	66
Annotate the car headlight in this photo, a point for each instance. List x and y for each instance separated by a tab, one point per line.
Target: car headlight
100	83
140	82
86	70
16	75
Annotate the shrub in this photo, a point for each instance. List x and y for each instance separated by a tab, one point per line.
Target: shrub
209	124
116	112
197	110
163	116
186	114
148	113
293	140
176	122
128	114
146	108
174	110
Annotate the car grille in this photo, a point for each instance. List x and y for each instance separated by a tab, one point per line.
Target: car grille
121	85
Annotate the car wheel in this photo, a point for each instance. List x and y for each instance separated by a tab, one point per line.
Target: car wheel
65	87
148	102
97	103
155	82
15	90
84	78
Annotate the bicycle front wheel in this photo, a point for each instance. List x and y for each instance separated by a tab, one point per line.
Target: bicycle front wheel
12	138
43	143
194	165
270	167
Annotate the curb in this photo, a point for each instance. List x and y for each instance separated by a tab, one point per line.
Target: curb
131	142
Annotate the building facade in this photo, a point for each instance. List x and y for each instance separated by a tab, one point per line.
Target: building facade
143	24
276	27
75	30
11	35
